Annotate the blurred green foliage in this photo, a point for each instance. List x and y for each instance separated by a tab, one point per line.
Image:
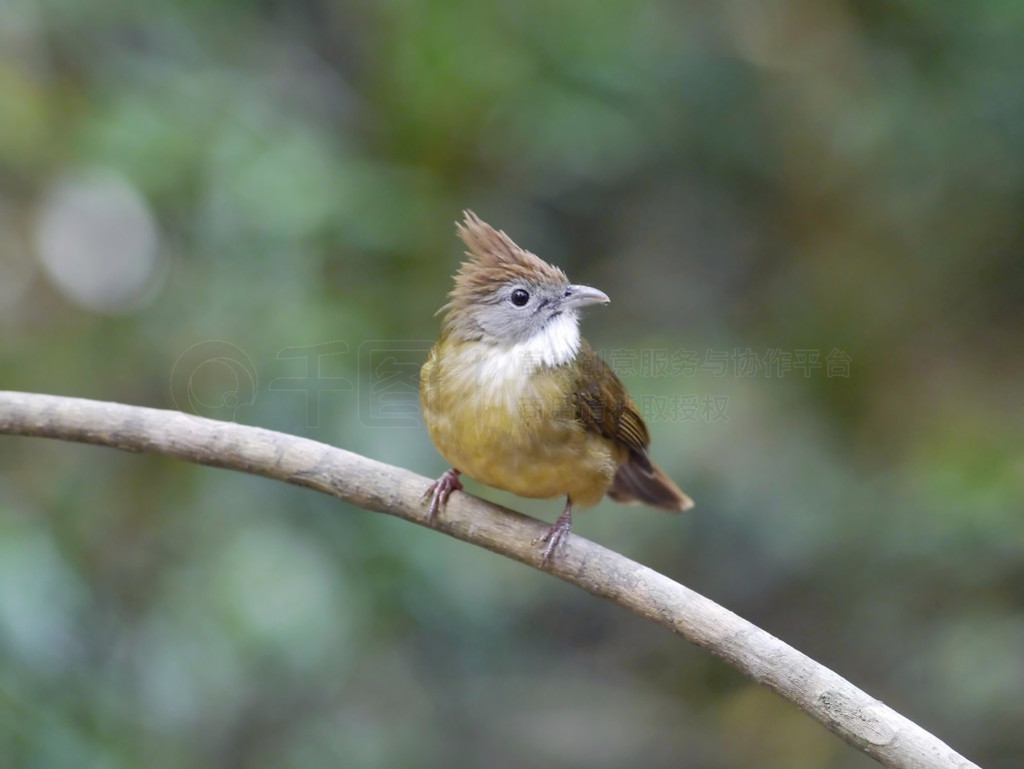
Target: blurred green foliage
191	191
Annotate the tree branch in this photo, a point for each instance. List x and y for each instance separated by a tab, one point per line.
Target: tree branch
857	718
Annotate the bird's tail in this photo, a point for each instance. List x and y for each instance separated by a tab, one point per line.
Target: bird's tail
635	482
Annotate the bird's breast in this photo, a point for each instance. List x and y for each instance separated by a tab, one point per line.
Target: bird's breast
511	423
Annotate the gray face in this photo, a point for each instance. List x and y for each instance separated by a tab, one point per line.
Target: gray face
519	310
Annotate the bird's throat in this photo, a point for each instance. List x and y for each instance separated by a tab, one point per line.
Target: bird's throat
504	374
555	344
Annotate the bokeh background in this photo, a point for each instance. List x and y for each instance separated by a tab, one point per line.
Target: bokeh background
809	218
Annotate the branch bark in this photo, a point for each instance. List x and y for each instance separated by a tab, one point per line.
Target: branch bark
862	721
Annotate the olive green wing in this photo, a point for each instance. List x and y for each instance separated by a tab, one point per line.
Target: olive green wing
604	407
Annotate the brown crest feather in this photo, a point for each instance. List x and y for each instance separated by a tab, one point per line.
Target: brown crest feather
494	260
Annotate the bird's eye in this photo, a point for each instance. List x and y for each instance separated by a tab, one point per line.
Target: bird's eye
520	297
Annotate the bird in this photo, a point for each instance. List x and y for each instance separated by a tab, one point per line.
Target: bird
514	397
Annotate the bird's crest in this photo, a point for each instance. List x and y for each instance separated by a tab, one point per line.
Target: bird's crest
494	260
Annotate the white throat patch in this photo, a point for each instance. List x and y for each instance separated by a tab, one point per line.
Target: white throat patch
557	343
503	376
503	372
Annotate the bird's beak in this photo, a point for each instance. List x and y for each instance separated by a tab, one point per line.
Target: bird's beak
581	296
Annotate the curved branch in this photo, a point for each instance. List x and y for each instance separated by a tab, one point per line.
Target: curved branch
860	720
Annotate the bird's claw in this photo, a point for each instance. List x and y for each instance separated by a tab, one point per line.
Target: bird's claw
554	538
553	541
440	490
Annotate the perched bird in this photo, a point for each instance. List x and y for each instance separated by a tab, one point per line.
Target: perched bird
515	398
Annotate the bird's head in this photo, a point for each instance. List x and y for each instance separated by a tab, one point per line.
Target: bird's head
506	296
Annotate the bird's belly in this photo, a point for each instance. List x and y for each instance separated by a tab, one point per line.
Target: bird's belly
540	461
526	441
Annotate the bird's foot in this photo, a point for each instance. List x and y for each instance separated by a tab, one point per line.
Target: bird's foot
554	539
440	490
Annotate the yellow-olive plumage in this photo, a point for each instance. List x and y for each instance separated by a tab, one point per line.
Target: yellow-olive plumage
516	399
518	433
